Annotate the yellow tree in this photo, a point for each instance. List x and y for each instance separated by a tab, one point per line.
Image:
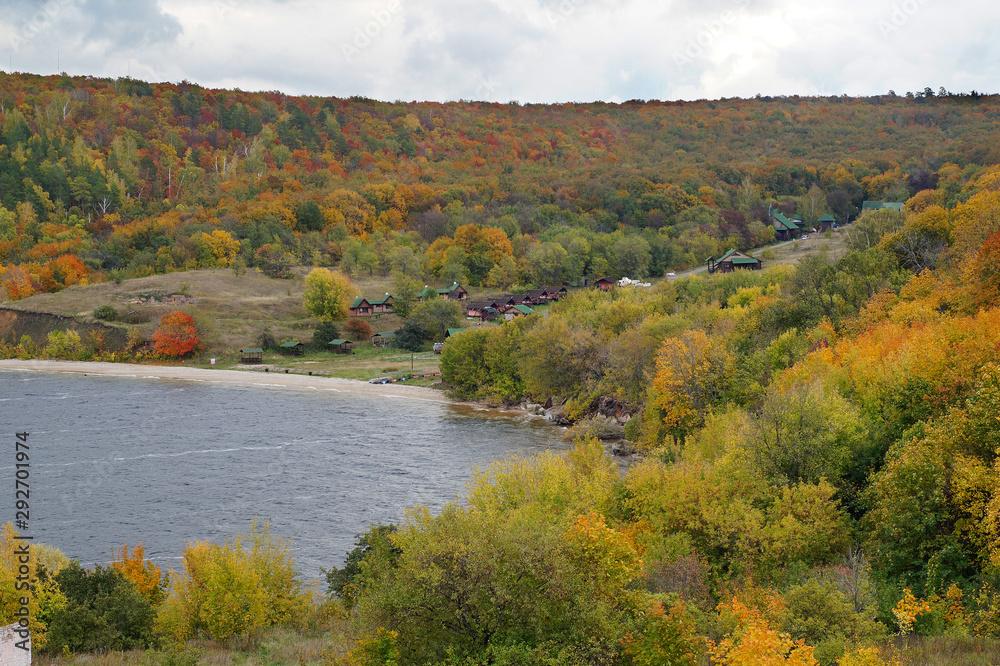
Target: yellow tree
223	246
690	371
328	295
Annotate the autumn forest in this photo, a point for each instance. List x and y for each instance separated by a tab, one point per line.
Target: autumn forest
816	478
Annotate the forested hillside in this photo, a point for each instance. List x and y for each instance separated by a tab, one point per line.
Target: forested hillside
819	478
103	178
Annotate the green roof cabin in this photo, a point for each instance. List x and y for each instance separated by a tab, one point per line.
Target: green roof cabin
252	356
733	260
784	228
827	222
292	348
361	307
383	338
341	346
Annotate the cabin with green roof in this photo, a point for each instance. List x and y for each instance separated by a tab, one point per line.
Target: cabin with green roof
292	348
733	260
340	346
383	338
361	307
381	305
252	356
784	228
827	222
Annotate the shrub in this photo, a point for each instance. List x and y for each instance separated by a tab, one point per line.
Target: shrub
233	591
106	313
325	332
358	329
103	611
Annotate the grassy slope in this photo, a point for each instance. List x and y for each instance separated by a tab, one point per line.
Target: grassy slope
231	312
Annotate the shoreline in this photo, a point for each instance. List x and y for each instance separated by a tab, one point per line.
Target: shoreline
239	377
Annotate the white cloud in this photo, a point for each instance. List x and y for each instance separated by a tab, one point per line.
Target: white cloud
531	50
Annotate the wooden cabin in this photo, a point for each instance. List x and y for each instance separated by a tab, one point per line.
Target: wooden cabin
252	356
827	222
454	331
554	293
361	307
604	283
455	292
516	311
341	346
733	260
383	338
536	296
784	228
382	305
292	348
476	308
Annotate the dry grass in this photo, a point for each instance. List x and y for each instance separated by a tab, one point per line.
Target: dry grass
793	252
950	651
232	311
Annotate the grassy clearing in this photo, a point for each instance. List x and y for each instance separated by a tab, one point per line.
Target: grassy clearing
793	252
232	311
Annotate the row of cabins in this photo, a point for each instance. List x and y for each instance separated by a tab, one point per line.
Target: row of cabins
513	305
370	307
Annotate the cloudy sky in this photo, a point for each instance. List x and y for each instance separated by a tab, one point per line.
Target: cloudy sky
526	50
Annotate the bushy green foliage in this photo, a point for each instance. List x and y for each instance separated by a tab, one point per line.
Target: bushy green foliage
324	332
103	611
106	313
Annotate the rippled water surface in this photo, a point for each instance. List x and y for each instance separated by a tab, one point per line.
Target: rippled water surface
118	460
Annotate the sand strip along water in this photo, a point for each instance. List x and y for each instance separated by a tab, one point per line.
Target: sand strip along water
246	378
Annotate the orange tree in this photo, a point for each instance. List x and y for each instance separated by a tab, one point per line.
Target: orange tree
176	336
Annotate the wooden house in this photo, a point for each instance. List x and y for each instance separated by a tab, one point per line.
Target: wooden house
519	299
784	228
292	348
604	283
382	305
827	222
383	338
516	311
733	260
252	356
454	331
555	293
428	293
361	307
341	346
537	296
455	292
476	308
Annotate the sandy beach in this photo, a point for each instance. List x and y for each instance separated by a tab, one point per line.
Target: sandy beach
247	378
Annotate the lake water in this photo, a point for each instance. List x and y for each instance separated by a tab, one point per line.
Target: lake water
118	460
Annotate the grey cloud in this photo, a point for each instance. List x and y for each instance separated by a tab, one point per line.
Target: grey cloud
129	23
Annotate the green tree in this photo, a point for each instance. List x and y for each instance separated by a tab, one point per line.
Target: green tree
404	294
436	316
328	295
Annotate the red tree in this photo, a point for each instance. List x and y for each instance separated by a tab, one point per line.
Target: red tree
176	336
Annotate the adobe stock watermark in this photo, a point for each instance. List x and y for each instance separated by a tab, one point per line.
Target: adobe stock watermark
487	86
899	16
710	32
37	23
363	35
563	11
224	8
